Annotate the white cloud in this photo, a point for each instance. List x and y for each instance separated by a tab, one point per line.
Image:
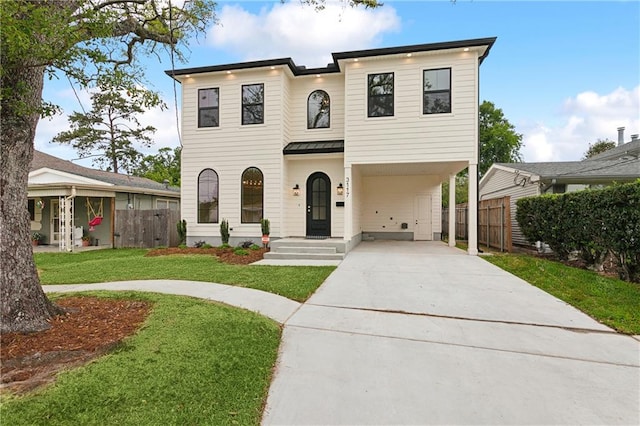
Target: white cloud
298	31
585	118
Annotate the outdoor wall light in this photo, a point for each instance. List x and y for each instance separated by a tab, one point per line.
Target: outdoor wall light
296	190
340	189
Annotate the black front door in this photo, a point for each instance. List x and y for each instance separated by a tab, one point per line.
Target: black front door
318	205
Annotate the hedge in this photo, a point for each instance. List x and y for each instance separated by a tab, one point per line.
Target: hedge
593	223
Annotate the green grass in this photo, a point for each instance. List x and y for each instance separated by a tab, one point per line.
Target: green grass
293	282
613	302
192	362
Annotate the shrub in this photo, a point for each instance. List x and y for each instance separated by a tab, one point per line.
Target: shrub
593	223
241	252
225	246
206	246
224	231
265	226
182	231
254	247
182	246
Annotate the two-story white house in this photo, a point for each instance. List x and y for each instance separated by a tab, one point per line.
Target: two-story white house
357	149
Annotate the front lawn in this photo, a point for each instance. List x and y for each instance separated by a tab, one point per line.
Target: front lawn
611	301
193	362
294	282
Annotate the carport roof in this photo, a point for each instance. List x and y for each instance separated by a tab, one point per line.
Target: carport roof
316	147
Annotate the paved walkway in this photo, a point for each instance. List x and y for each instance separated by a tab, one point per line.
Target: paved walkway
270	305
420	333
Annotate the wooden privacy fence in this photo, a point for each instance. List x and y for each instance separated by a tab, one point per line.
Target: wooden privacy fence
146	228
494	222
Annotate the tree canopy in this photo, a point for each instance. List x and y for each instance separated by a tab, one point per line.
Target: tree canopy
598	147
499	141
161	167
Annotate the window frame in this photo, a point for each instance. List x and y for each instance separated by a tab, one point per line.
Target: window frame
389	95
216	197
215	108
425	92
328	126
244	105
242	195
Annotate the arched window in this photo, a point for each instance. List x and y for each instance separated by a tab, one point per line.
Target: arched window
252	195
318	110
208	196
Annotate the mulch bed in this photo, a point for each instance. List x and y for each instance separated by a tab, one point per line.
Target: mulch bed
225	255
91	327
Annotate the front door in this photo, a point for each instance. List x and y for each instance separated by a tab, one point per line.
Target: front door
318	205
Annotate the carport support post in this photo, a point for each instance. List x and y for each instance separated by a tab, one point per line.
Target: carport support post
452	210
473	210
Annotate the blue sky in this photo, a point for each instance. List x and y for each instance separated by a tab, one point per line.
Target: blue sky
564	73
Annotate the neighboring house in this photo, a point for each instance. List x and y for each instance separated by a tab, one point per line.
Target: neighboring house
356	149
64	199
518	180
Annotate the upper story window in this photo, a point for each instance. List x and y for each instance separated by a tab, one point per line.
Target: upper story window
208	196
380	95
318	109
437	91
253	104
208	107
252	195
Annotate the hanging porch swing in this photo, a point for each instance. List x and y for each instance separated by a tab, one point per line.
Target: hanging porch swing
97	216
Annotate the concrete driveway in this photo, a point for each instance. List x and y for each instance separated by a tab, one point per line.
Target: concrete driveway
420	333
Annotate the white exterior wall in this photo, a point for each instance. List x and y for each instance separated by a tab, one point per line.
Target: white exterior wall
298	171
501	184
231	148
409	135
302	87
388	201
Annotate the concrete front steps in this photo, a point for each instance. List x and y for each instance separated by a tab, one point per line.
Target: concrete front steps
303	249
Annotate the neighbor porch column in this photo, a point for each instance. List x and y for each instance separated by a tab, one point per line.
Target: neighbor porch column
473	210
452	210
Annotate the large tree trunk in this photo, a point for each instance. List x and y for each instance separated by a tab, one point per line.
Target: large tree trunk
23	304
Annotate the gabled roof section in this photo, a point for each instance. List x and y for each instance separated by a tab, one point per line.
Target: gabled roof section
629	149
46	161
46	176
319	147
299	70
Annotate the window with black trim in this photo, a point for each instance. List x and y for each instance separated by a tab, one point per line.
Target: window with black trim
253	104
209	107
318	110
208	196
380	95
252	195
437	91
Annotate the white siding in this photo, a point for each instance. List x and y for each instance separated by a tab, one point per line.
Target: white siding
298	171
409	135
388	201
356	189
231	148
501	184
302	87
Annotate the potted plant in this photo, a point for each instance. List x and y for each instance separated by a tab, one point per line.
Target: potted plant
266	230
86	240
36	238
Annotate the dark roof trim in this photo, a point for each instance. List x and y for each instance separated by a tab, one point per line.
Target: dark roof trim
316	147
418	48
335	67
